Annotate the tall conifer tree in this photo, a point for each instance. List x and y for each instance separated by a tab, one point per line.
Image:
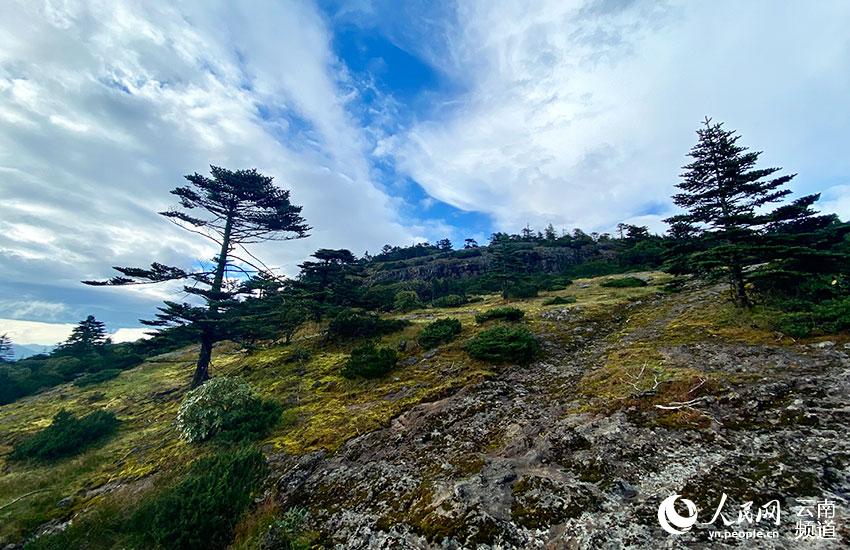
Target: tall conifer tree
723	193
235	209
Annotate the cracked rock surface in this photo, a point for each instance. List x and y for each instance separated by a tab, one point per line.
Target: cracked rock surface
523	459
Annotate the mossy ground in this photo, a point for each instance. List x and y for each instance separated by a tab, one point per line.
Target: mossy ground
323	410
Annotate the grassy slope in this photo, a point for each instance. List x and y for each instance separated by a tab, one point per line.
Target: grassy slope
323	409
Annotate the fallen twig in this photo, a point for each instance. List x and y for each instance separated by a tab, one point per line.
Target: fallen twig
23	497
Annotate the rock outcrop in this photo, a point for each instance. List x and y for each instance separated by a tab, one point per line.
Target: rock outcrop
530	458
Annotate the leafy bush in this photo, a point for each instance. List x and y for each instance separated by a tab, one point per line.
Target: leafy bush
824	318
298	355
406	300
287	533
596	268
349	324
202	509
368	361
551	282
67	435
624	282
439	332
452	300
519	291
96	377
504	313
227	409
560	301
504	344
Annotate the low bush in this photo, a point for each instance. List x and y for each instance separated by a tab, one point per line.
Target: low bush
520	290
298	355
504	344
503	313
466	253
201	510
368	361
349	324
452	300
560	301
624	282
287	532
226	409
439	332
93	378
407	300
67	435
827	317
552	282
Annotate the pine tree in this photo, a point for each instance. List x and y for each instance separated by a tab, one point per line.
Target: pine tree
331	278
723	192
444	245
89	334
237	208
6	351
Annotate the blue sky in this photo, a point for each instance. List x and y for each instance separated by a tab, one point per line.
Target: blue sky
390	121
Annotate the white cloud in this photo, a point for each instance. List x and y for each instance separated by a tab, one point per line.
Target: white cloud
836	199
31	308
35	332
130	334
110	103
48	334
581	113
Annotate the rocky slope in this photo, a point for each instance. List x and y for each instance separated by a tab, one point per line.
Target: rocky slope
531	459
639	394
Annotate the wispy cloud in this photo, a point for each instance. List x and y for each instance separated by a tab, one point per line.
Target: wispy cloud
105	105
580	113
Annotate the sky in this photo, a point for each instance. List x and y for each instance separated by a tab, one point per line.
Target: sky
390	122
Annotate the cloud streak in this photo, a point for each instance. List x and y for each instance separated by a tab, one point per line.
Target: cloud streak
580	113
105	105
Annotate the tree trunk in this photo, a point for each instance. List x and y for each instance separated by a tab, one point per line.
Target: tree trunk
202	370
739	288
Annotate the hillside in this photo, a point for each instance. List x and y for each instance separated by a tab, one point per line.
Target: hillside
639	393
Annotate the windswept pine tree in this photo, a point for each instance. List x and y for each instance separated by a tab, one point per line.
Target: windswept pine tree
234	209
724	195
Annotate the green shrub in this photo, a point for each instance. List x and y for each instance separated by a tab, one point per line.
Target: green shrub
287	533
552	282
96	377
298	355
101	526
67	435
596	268
368	361
560	301
439	332
503	313
504	344
452	300
519	291
227	409
349	324
201	510
827	317
406	300
624	282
